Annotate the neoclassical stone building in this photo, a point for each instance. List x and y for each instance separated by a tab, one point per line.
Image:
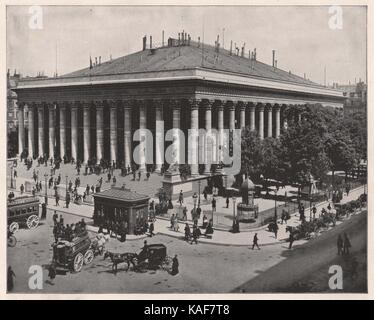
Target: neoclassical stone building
93	112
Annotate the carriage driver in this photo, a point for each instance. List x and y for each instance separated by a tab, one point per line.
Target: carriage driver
144	253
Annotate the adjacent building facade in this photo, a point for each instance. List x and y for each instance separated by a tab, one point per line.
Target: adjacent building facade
93	113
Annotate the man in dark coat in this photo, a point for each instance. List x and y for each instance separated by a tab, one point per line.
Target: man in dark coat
175	266
346	244
255	242
291	240
151	229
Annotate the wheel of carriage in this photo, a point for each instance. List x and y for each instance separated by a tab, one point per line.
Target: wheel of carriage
78	262
88	256
167	263
14	226
32	221
12	241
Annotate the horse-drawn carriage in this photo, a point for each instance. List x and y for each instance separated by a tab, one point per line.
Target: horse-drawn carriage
153	256
72	255
23	211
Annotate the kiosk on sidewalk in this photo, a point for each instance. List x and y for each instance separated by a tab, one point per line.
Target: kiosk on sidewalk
121	206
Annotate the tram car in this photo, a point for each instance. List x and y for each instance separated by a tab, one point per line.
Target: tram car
23	212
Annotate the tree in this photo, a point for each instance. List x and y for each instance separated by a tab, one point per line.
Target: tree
251	154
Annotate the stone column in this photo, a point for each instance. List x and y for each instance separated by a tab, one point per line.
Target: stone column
277	121
208	145
21	130
270	120
86	133
74	131
62	131
242	116
113	132
142	126
261	121
220	128
99	132
127	134
159	135
52	129
194	139
31	132
40	130
252	118
176	125
232	116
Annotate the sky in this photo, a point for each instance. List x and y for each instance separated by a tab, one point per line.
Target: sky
301	36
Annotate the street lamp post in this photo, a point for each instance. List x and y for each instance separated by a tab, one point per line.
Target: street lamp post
234	222
275	206
199	183
11	177
45	187
66	186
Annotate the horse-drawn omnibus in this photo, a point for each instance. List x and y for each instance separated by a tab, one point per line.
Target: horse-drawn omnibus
23	211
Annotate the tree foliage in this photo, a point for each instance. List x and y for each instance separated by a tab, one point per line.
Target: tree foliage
323	140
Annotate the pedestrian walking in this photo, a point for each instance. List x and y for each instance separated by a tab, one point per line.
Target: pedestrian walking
255	242
44	211
205	194
214	204
291	240
314	210
180	200
22	188
346	244
339	244
57	198
52	273
227	202
175	266
194	235
54	217
151	229
187	232
275	230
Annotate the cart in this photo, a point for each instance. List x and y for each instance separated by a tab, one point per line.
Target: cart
154	257
23	212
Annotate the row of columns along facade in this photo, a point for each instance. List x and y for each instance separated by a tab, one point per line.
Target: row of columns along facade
241	109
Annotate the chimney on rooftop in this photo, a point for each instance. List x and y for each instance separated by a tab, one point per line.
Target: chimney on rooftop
144	42
243	49
150	42
99	60
276	63
231	48
189	39
198	42
249	54
179	38
254	54
273	58
163	35
95	61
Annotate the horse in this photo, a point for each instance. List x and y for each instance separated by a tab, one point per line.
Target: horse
118	258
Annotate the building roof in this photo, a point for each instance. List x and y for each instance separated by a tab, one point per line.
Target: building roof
122	194
170	58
